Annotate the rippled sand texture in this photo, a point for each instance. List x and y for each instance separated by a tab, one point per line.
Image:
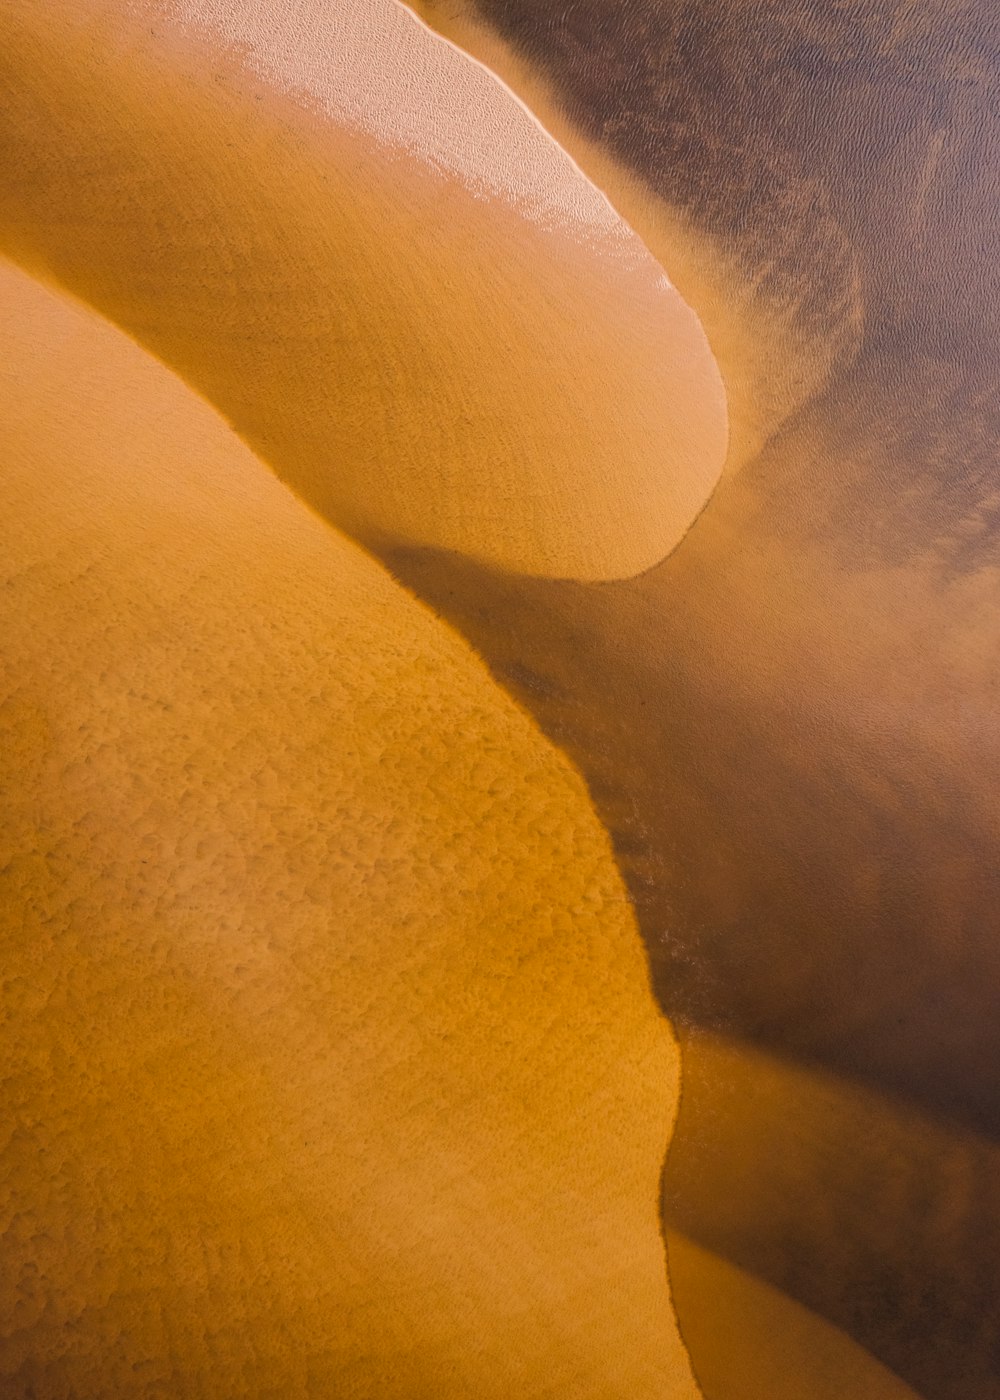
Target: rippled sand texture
545	399
330	1066
790	726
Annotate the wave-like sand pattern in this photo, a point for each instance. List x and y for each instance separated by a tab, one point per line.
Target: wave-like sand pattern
418	362
437	341
328	1043
779	301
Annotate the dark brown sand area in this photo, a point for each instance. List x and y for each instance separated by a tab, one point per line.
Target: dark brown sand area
790	725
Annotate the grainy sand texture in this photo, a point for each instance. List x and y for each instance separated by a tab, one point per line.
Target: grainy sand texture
423	354
338	1065
330	1064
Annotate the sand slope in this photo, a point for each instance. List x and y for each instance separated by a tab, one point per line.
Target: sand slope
419	356
329	1062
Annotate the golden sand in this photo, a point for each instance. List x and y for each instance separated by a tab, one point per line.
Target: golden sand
328	1043
527	374
417	361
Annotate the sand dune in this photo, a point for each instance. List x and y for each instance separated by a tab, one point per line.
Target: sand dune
790	726
372	66
329	1059
747	239
787	728
418	361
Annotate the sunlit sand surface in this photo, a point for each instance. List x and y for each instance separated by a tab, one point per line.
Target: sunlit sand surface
371	65
787	728
329	1051
419	361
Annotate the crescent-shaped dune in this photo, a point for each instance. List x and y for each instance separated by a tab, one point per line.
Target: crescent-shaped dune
330	1065
421	356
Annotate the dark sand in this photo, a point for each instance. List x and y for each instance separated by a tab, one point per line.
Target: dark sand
789	726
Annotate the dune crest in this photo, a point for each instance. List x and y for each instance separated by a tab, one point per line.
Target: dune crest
420	363
375	66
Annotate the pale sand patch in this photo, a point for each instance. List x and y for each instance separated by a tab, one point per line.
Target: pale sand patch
373	65
328	1042
419	362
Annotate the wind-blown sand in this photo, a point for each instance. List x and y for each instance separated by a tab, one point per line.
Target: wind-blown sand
780	303
330	1063
789	727
420	362
788	749
753	1340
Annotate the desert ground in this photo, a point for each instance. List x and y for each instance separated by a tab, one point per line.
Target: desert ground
428	496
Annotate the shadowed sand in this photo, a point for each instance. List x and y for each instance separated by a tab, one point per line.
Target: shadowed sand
785	727
298	271
328	1045
778	296
752	1340
789	727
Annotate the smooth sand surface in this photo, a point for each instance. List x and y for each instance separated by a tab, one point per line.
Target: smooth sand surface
371	65
753	1340
419	361
861	1205
790	747
329	1061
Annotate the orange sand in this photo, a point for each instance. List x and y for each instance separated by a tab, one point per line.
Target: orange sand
419	362
328	1046
771	360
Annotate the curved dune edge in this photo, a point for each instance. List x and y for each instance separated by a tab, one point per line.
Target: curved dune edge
327	1025
375	66
769	364
792	1173
749	1339
419	362
877	1213
823	678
